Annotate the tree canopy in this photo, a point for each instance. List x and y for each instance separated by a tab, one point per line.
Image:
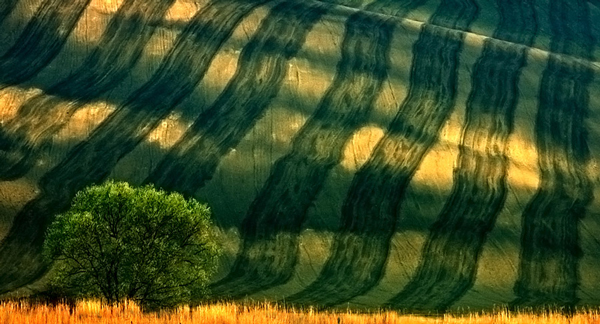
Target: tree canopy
117	242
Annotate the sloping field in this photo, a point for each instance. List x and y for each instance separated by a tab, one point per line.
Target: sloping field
416	154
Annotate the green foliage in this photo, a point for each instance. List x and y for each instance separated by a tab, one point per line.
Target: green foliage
117	242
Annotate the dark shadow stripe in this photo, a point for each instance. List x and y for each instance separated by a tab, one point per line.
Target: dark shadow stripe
44	115
397	8
6	7
371	207
271	227
91	161
40	42
448	264
550	249
571	29
262	67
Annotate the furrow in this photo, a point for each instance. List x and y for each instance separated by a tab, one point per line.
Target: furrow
369	212
91	161
449	259
6	7
40	42
394	8
262	67
273	222
44	115
550	249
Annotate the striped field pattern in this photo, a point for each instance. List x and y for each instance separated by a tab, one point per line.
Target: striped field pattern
421	155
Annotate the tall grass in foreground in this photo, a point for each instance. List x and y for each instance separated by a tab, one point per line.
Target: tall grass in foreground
90	312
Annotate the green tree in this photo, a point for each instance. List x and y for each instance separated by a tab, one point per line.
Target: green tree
117	242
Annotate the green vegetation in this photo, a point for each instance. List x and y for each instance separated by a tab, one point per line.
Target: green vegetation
117	242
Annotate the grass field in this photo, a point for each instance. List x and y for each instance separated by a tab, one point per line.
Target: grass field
91	312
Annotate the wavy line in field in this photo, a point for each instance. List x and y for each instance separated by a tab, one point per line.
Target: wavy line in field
262	67
391	13
449	260
45	114
40	42
91	161
550	250
394	8
372	205
272	225
6	8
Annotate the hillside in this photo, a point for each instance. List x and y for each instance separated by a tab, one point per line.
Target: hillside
417	154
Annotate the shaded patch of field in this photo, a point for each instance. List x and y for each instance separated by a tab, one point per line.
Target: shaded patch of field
44	115
262	66
6	8
41	40
91	161
394	8
550	247
274	219
450	257
372	205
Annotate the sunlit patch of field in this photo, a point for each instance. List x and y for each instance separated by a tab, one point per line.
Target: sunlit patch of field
92	312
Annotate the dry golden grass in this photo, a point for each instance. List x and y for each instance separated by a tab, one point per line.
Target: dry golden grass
91	312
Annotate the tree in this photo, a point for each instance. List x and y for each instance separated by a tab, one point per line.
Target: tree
117	242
